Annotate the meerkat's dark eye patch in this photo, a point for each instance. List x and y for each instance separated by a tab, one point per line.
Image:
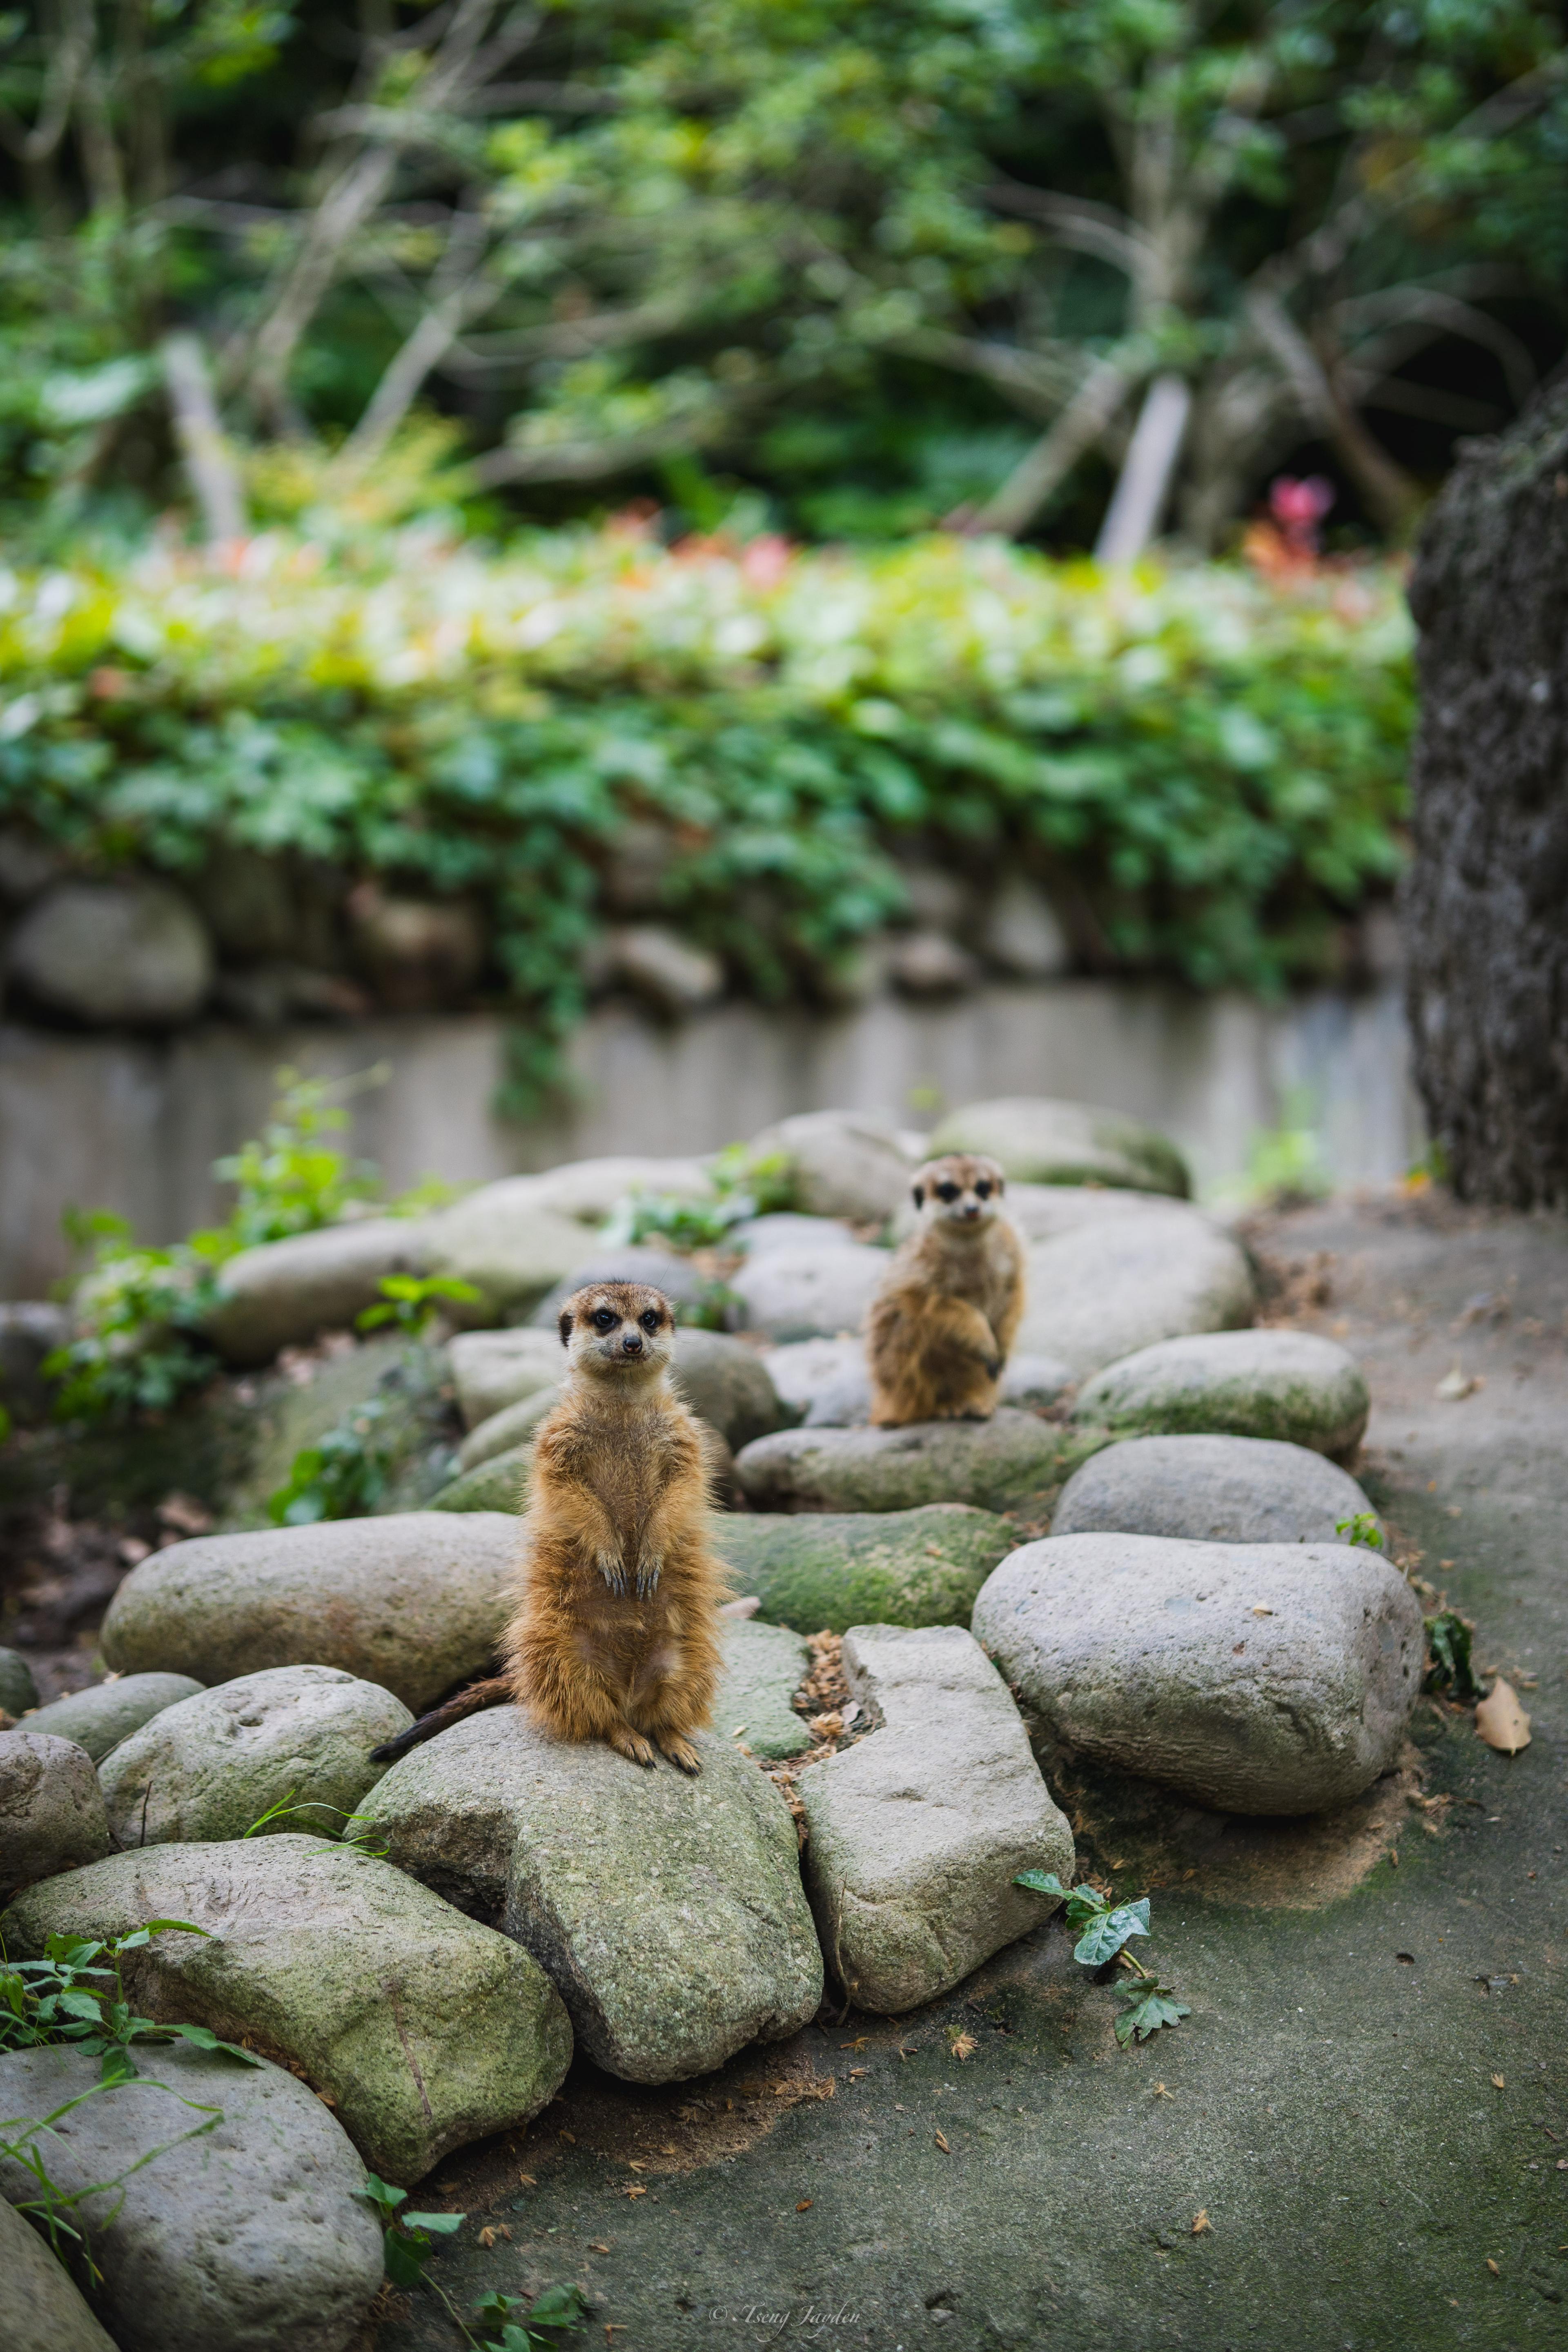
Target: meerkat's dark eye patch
947	1192
919	1194
604	1320
566	1330
983	1189
650	1318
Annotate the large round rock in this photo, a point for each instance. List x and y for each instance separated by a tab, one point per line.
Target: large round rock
282	1294
414	1602
1284	1384
234	2221
294	1737
1041	1141
808	1294
1012	1461
40	2310
131	951
98	1718
1108	1287
841	1163
52	1815
1256	1678
838	1569
1213	1490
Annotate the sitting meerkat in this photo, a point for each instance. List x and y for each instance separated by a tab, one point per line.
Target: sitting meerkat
950	1304
616	1635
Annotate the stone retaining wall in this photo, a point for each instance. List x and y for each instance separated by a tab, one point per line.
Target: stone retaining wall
133	1125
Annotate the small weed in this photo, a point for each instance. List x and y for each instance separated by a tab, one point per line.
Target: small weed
57	2208
355	1836
559	2311
743	1186
413	1302
292	1179
342	1476
407	2239
1361	1528
1106	1929
76	1994
1449	1669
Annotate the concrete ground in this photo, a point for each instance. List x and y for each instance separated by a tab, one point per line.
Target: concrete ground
1358	2139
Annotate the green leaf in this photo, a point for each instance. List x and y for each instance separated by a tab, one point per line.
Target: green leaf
382	2193
404	2261
558	2307
444	2224
1105	1936
1449	1647
1150	2006
1040	1882
202	2037
118	2066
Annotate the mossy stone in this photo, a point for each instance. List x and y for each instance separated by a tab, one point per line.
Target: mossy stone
833	1569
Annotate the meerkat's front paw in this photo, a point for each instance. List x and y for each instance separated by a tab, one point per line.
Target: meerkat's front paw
647	1573
631	1745
681	1751
613	1568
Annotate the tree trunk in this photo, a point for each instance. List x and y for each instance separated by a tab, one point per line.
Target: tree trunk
1486	900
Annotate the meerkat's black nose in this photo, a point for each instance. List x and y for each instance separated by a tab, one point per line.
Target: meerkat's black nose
632	1344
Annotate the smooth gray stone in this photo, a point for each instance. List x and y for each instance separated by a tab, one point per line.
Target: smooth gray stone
52	1815
282	1294
133	951
764	1666
414	1602
40	2309
1211	1489
1256	1678
492	1369
667	1909
788	1229
918	1829
1040	1141
211	1766
793	1294
247	2234
425	2029
677	1277
99	1718
842	1163
1096	1294
18	1691
1290	1385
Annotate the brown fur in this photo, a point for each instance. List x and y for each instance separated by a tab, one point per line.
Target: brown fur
948	1308
616	1635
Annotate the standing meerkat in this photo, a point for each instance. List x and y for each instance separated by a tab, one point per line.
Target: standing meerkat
616	1636
950	1304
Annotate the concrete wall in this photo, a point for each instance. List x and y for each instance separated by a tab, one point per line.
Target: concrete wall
135	1126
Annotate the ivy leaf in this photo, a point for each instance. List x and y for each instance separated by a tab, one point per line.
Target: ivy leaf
1106	1933
442	2223
203	2038
1040	1882
403	2259
1150	2006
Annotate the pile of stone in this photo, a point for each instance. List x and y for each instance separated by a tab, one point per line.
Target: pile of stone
424	1946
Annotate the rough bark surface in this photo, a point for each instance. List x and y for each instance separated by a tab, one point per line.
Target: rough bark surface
1486	900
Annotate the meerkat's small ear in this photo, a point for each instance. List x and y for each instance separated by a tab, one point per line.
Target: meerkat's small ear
566	1326
1001	1182
919	1191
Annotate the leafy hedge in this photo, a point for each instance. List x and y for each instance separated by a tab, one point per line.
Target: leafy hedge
1205	768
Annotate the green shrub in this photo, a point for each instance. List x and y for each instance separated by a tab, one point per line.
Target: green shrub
1205	768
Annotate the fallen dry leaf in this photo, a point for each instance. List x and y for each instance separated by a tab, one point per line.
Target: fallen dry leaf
1493	2268
965	2045
496	2230
1259	1610
804	2205
1498	2082
1455	1386
1201	2221
1160	2092
597	2246
528	2179
564	2134
635	2164
941	2143
634	2192
1500	1720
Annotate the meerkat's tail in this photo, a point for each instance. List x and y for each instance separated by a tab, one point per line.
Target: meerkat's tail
491	1692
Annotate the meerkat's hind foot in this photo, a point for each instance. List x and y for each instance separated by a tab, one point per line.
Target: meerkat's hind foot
629	1744
681	1752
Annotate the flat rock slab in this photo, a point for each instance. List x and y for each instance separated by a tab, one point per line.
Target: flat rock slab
52	1814
828	1384
246	2235
413	1602
1013	1462
808	1294
299	1736
426	2029
668	1910
918	1829
282	1294
764	1666
40	2310
1041	1141
1211	1490
830	1570
491	1370
1290	1385
1097	1293
499	1483
1256	1678
99	1718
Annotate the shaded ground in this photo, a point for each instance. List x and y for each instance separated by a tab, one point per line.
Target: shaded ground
1368	2106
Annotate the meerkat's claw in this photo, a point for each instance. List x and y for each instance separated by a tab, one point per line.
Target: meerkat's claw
647	1577
631	1744
612	1569
681	1752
